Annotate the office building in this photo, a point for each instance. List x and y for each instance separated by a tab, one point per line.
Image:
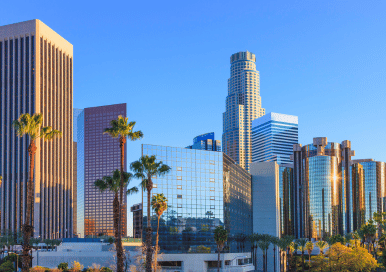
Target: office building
243	104
76	113
273	137
322	188
204	189
137	220
36	76
206	142
266	206
98	156
369	190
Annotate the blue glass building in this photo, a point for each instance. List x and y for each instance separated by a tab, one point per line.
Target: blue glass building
372	174
273	137
204	189
206	142
79	139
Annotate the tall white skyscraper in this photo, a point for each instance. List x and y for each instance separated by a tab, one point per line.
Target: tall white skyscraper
243	104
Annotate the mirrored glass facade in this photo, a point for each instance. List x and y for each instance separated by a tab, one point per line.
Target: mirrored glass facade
286	199
370	175
204	189
206	142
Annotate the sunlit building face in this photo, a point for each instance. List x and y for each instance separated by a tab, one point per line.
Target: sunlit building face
243	104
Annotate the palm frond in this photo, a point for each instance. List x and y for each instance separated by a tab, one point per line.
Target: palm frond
132	191
49	134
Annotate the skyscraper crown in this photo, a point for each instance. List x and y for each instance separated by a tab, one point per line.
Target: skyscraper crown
243	56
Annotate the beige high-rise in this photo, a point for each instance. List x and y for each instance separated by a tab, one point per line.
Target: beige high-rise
243	105
36	77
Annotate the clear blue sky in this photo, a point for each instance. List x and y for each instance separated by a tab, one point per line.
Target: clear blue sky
324	61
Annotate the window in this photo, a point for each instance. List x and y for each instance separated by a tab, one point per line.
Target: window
179	186
179	178
179	168
179	196
212	198
154	185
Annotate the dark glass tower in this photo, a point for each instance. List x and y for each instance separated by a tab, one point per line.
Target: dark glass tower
98	156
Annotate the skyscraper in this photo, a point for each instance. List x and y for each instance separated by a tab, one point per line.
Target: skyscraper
76	114
243	104
273	137
98	156
36	77
206	142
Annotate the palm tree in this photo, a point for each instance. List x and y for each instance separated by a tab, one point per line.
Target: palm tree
264	245
309	247
32	127
302	246
122	129
322	246
220	236
254	239
159	204
146	168
275	242
112	184
289	242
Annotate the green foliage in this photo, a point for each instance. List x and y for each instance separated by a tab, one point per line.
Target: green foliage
31	126
121	127
203	249
322	245
7	266
63	266
220	236
336	239
11	257
112	183
368	231
159	203
146	168
106	269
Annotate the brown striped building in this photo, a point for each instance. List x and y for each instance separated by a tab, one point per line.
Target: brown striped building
36	77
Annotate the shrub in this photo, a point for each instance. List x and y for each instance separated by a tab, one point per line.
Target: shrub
63	266
106	269
76	266
40	269
7	267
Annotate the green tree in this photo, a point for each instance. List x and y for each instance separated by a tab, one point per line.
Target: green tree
302	247
368	231
7	267
263	244
159	204
309	248
63	266
146	168
220	236
112	184
121	128
322	245
32	127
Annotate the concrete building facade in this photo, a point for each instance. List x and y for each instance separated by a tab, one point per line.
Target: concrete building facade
243	104
36	76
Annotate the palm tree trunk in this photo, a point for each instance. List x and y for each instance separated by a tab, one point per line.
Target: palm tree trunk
122	141
156	247
274	258
264	262
149	251
28	227
218	259
116	218
303	261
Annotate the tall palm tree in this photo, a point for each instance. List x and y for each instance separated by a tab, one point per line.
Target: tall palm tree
264	245
146	168
121	128
309	248
275	242
302	246
32	127
112	184
159	204
220	236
